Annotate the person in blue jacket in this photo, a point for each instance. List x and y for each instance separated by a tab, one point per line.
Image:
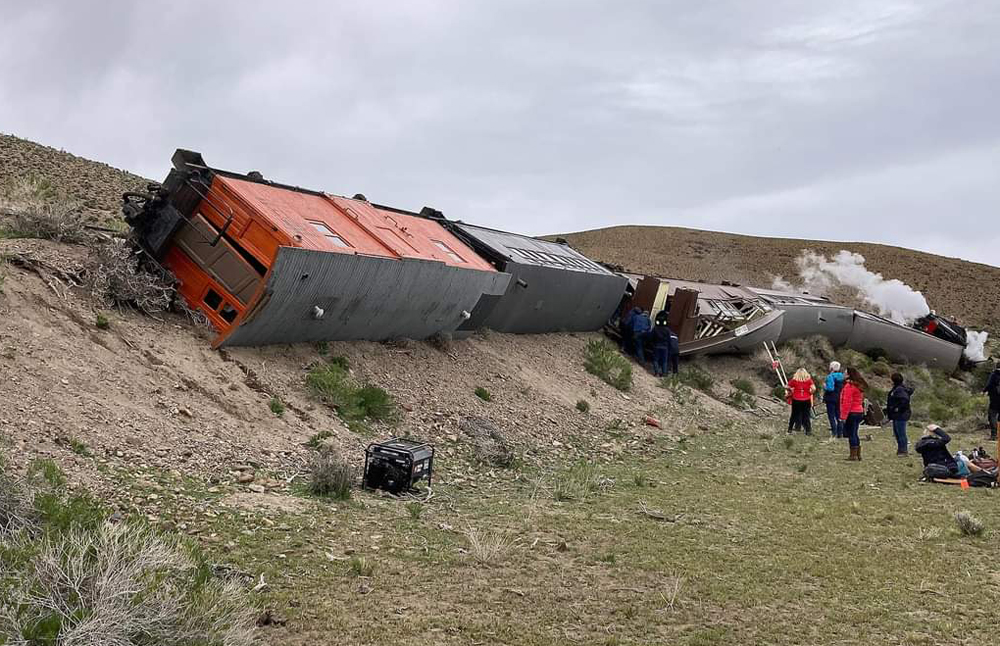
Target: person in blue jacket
897	408
625	328
831	397
640	328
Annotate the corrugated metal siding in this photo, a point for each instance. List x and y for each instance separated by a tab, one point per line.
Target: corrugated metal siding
363	297
555	300
530	251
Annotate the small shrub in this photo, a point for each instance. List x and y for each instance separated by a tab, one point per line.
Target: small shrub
583	406
640	480
277	406
802	468
121	279
487	545
78	447
415	509
745	386
360	566
968	524
877	355
441	341
577	483
35	210
341	362
697	378
330	476
490	445
788	442
741	400
603	360
332	384
483	394
103	323
322	348
881	368
778	392
316	441
375	403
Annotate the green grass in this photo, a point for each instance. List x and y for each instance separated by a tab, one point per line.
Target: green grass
602	359
697	378
583	406
483	394
277	406
80	448
102	322
332	383
744	386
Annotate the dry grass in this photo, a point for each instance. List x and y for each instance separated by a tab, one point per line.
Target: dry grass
968	524
31	208
119	279
330	475
488	546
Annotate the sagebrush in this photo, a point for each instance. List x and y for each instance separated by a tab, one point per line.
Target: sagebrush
330	475
31	207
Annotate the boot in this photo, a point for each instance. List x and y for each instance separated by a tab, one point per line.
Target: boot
855	454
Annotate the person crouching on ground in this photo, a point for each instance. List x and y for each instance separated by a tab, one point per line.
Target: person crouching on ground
661	346
897	409
831	397
933	448
800	392
852	410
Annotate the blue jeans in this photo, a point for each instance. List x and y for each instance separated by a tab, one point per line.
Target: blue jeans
660	361
851	426
833	414
899	429
638	340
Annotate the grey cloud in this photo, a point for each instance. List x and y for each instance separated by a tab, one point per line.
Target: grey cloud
852	120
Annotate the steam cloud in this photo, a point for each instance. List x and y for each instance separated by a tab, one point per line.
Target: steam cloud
893	299
975	350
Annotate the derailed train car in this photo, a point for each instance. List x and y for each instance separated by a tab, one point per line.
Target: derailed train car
271	263
553	287
808	315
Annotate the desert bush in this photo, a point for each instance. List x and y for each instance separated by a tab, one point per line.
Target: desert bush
877	354
697	378
881	368
330	476
68	576
583	406
33	209
331	383
120	279
414	509
489	444
316	441
740	399
968	524
744	385
361	566
483	394
578	482
277	406
488	545
441	341
778	392
603	360
102	322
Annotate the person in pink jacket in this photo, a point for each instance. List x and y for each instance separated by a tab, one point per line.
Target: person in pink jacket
852	410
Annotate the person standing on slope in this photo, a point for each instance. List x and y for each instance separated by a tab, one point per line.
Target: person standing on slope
852	410
800	392
661	346
897	409
640	329
831	397
993	390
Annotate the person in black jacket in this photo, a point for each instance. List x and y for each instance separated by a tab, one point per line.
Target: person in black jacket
660	337
993	390
933	448
897	409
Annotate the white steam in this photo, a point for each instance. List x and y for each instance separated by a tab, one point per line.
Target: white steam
893	299
975	350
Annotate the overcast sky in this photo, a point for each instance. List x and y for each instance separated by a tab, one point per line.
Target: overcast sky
847	120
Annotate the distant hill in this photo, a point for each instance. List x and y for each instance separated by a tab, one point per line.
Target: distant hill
965	290
97	186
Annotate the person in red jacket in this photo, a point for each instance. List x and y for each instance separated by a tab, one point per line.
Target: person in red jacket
852	410
799	392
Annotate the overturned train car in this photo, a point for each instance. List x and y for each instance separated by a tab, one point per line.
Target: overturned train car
553	287
271	263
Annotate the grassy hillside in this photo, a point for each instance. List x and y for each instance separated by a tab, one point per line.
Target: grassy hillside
965	290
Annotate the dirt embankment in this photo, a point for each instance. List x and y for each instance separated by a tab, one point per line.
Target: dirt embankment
965	290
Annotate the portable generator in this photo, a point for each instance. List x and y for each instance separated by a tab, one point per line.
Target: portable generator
396	465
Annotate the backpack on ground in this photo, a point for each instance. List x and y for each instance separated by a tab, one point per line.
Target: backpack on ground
935	471
982	479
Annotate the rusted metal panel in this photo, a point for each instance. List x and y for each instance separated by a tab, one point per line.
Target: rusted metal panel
902	344
360	297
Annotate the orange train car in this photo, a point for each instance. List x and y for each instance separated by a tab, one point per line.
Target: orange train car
273	263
